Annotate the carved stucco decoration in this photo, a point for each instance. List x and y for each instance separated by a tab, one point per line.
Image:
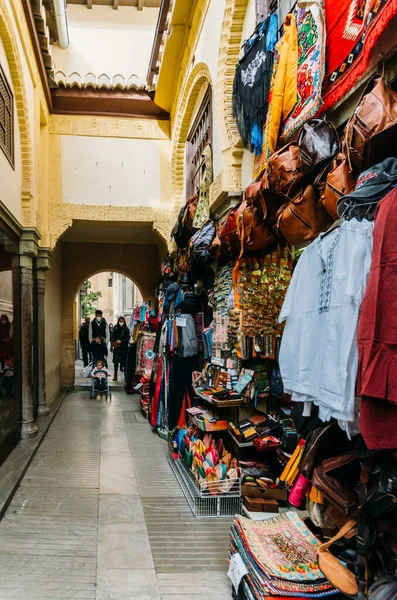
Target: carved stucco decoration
199	77
7	35
109	127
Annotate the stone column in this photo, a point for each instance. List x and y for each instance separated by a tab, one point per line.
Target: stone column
27	250
43	265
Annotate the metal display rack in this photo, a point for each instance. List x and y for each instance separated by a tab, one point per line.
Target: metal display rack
216	499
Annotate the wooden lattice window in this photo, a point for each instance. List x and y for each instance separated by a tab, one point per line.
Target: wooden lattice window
6	118
199	136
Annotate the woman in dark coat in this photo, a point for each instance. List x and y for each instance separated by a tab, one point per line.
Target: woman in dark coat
120	338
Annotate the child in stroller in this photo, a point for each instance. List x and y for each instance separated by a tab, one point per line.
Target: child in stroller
99	376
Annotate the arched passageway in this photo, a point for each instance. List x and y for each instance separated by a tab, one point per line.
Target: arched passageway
80	259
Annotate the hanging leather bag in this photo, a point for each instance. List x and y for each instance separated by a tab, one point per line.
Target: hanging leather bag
340	181
302	218
371	133
337	479
336	573
318	145
189	212
227	237
284	170
254	228
182	261
180	232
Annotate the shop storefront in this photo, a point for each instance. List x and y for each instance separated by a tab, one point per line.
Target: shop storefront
10	342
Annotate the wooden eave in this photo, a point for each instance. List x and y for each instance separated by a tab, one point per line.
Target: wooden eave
102	102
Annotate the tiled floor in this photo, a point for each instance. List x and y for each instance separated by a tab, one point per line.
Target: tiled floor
99	516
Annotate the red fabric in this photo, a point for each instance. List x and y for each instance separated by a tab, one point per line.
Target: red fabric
377	334
353	28
156	395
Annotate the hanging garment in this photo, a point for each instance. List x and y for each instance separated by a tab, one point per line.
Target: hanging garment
202	213
283	91
145	353
252	83
353	29
310	23
180	381
377	335
187	337
319	354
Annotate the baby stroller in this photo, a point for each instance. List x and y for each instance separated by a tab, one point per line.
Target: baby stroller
100	386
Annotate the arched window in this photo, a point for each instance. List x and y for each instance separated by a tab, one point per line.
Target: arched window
199	136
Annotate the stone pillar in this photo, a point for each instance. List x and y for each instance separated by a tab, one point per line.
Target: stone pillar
27	250
43	265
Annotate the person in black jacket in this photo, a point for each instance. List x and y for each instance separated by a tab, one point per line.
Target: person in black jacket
120	338
99	351
99	327
85	340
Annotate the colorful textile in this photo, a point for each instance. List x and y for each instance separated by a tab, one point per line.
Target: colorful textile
202	213
281	557
283	91
145	353
252	83
311	65
353	29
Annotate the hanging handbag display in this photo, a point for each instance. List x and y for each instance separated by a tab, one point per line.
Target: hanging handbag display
227	236
302	218
318	145
180	232
284	170
337	478
189	212
341	180
371	133
182	262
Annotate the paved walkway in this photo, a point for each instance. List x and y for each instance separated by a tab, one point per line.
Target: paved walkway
100	516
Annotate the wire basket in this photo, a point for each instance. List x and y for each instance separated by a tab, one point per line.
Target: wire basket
208	499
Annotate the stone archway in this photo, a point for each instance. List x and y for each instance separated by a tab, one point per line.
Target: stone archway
199	76
14	62
139	262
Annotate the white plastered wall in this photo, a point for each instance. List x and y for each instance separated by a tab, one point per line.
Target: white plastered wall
103	40
114	171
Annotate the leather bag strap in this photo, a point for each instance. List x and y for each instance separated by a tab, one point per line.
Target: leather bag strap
341	533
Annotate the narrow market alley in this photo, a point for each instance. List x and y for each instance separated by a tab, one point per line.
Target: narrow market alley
98	516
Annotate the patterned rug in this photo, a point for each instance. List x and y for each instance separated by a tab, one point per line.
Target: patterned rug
281	557
353	28
145	353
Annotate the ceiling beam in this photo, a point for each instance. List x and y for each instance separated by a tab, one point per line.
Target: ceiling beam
141	4
115	4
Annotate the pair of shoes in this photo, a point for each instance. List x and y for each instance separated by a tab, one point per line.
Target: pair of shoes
114	377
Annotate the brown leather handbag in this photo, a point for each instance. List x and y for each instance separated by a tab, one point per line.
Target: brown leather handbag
371	133
302	218
284	170
318	144
341	180
254	228
227	238
336	572
190	211
337	478
182	261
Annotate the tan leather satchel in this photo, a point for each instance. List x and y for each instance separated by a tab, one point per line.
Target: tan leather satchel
190	211
303	218
254	227
341	180
336	573
371	133
284	170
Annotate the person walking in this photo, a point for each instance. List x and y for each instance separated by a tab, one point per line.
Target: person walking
120	338
85	340
99	328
